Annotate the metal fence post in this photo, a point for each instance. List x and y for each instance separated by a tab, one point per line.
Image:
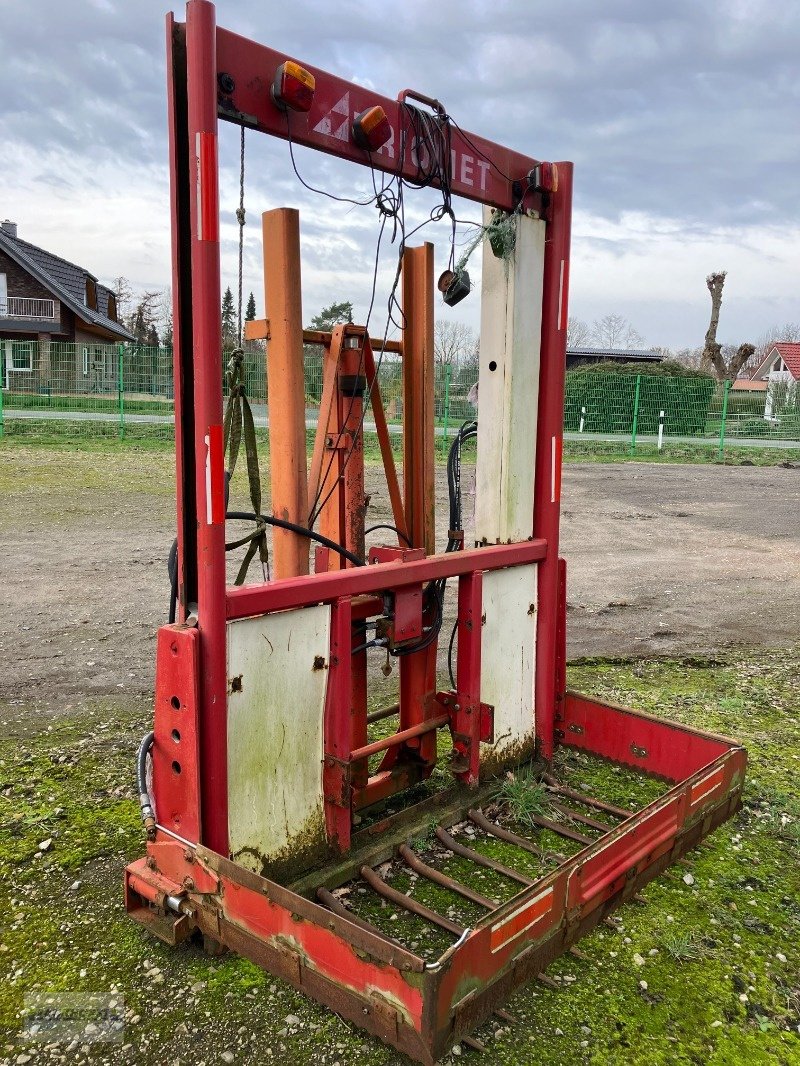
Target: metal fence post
725	390
1	407
121	391
636	411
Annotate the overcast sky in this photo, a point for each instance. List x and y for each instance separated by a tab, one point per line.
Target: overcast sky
681	118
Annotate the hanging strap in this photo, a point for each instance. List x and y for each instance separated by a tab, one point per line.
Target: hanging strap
238	425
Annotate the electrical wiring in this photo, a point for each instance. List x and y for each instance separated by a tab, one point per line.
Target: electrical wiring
313	188
468	140
430	139
390	201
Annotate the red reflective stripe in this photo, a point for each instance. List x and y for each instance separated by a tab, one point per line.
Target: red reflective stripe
215	477
207	188
706	785
519	921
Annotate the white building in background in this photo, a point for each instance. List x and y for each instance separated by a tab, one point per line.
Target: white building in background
781	370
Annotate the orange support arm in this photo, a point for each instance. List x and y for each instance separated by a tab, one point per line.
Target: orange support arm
286	385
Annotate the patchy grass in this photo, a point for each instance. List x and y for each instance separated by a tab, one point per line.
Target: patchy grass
525	797
707	972
95	436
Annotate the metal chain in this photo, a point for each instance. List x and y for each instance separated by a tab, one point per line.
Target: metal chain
240	219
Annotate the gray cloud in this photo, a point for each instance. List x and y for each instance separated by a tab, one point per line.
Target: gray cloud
674	110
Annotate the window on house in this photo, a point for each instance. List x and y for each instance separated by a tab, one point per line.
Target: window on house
112	307
22	355
91	294
85	361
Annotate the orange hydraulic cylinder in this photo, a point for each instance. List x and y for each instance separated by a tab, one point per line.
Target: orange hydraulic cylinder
285	381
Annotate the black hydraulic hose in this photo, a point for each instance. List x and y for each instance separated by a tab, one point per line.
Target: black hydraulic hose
148	815
394	529
172	570
303	531
249	516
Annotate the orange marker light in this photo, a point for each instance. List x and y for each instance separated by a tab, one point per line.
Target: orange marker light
544	177
371	129
293	87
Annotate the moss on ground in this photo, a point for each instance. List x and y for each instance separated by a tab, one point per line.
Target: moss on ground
707	972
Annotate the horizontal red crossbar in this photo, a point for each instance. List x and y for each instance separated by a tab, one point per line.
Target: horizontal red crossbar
480	169
327	587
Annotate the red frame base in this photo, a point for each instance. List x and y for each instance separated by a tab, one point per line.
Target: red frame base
424	1008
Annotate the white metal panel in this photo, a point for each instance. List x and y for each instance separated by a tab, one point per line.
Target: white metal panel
508	652
508	386
277	674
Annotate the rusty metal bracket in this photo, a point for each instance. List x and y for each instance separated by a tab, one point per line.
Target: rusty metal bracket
337	781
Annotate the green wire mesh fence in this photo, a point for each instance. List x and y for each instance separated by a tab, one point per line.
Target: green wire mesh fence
70	392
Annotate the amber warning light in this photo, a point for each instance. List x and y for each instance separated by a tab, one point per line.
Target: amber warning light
371	129
293	87
544	177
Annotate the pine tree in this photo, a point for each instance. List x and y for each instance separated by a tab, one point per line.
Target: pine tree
250	313
229	330
332	316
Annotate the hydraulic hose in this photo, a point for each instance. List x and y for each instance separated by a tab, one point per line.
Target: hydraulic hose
148	815
250	516
303	531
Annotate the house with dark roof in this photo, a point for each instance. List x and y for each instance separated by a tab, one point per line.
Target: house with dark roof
56	319
780	369
584	356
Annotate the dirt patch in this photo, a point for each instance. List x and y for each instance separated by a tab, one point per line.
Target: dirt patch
662	559
676	559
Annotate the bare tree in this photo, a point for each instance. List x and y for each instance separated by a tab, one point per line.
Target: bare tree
123	293
615	331
789	331
452	341
687	356
144	316
578	333
725	366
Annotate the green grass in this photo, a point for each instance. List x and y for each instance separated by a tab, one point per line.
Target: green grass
712	986
100	402
106	436
525	796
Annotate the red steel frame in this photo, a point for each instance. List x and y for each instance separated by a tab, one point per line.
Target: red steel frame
187	881
479	166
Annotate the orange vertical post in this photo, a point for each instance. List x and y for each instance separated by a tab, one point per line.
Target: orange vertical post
286	387
418	398
418	672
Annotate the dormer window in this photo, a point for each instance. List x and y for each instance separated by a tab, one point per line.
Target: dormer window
91	294
112	307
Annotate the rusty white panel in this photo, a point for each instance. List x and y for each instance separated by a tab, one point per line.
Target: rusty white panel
508	386
508	650
277	672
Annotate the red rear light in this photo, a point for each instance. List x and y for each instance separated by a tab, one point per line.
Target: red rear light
371	129
544	177
293	87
